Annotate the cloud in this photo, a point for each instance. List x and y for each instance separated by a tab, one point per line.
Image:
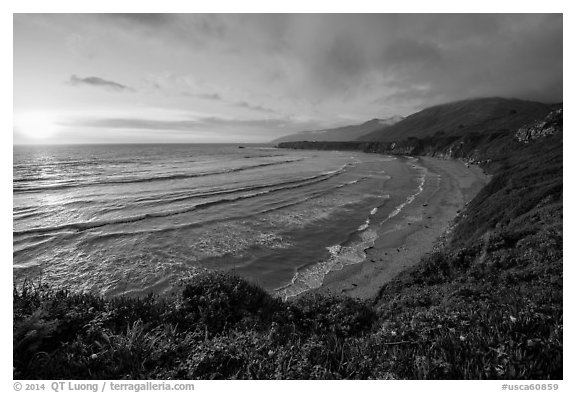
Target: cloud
194	87
408	52
346	56
427	59
210	96
328	60
98	82
466	56
204	96
154	20
207	123
254	107
183	85
80	46
209	128
197	30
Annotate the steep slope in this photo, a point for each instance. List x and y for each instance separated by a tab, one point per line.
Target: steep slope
346	133
462	117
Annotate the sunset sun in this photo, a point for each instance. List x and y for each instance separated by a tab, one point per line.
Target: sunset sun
36	125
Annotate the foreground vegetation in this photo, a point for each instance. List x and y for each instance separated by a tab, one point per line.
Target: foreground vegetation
487	304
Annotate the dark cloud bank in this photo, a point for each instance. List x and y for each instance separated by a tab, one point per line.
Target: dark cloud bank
415	60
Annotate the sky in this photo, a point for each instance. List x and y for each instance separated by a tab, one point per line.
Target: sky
212	78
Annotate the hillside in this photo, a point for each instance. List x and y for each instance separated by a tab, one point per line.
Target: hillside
486	115
346	133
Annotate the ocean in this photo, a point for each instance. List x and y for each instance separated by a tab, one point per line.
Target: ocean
135	219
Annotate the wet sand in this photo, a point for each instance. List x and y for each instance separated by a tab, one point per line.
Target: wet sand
405	238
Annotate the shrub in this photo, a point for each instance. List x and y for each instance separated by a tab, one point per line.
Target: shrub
341	316
218	302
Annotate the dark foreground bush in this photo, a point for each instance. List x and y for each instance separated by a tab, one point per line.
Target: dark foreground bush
220	302
340	316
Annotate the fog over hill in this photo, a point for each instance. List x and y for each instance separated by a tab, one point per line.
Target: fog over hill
462	117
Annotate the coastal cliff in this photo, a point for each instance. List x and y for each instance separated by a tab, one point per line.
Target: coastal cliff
550	125
477	131
475	148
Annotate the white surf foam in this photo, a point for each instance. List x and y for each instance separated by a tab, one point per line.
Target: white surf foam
312	276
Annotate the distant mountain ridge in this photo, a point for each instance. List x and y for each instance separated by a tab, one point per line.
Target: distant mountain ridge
482	115
340	134
477	115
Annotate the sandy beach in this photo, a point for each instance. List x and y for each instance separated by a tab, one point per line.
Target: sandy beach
405	238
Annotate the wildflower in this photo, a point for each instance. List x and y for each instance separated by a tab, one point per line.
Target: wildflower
270	352
393	332
462	338
513	319
94	356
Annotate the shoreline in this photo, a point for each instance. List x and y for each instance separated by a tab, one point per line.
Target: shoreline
405	238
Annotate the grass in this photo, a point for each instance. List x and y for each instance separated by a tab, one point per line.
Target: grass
488	305
218	327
